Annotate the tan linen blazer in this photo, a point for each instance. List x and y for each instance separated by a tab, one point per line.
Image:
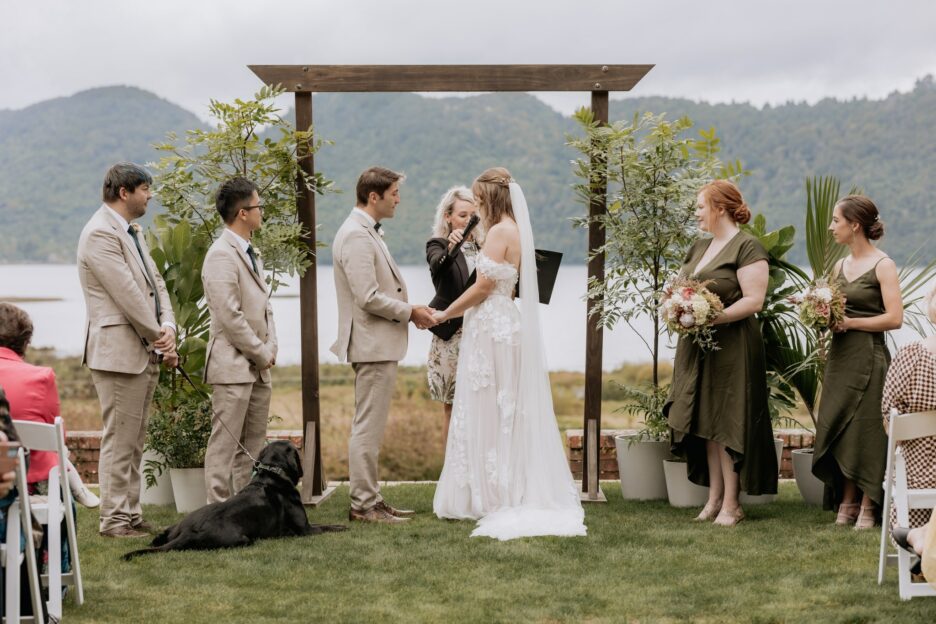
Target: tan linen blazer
242	335
372	308
119	298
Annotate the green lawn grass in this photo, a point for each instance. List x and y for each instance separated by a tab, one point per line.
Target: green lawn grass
641	562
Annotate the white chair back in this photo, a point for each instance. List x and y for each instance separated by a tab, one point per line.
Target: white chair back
45	437
903	427
19	522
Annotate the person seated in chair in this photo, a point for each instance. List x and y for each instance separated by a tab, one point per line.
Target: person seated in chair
33	396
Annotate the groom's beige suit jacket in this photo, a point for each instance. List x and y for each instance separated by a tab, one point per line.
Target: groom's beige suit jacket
119	298
372	303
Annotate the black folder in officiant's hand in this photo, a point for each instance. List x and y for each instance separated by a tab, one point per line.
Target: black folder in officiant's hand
547	268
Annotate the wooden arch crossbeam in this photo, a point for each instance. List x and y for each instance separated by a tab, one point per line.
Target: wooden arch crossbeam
304	80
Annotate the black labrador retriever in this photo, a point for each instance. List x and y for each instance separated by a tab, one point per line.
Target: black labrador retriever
269	506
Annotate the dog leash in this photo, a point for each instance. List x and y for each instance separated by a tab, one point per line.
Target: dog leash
204	394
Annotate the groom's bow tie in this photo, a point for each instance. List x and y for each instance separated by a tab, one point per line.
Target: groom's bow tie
377	227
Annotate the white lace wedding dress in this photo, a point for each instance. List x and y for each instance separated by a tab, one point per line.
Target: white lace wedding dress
504	464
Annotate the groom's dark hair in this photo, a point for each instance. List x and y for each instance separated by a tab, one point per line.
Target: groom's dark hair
375	180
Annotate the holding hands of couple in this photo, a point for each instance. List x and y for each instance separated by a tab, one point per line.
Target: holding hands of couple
423	317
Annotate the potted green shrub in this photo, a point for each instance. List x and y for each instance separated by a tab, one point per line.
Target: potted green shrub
179	432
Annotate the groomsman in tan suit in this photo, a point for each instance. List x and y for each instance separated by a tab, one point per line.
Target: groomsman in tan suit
130	329
372	332
242	344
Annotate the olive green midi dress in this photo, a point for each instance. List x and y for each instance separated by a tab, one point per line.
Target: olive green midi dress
721	395
850	439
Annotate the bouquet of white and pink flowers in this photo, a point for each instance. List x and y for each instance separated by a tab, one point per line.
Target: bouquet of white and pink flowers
822	305
688	309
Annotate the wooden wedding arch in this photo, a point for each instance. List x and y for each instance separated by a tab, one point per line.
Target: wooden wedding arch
304	80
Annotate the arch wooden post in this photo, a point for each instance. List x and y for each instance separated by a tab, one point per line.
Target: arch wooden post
594	336
314	486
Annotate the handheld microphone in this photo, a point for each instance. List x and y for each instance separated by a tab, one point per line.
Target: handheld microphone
472	222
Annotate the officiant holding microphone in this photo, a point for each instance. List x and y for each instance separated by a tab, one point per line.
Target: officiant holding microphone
451	256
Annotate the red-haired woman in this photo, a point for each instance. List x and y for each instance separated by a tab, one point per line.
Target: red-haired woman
717	408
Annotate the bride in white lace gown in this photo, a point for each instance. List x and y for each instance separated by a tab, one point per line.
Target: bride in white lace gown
504	463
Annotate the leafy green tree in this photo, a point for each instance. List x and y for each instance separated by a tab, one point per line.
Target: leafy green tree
653	170
248	139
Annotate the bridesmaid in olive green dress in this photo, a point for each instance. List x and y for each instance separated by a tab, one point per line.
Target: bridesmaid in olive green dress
717	407
851	445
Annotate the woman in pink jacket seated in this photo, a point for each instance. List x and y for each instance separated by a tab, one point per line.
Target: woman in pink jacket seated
33	396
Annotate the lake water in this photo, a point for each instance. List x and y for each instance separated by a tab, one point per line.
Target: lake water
60	324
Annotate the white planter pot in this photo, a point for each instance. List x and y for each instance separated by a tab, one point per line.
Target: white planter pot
161	493
810	486
679	489
640	466
188	487
763	499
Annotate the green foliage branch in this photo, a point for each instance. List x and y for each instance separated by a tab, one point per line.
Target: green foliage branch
248	138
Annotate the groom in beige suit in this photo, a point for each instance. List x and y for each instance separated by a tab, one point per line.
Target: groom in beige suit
372	333
242	343
130	329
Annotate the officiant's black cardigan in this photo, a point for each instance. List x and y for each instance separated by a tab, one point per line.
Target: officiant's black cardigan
451	278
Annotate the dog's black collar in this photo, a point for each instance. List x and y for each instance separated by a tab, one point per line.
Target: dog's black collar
274	469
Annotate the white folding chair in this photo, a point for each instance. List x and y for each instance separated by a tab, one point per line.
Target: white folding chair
904	427
51	510
19	515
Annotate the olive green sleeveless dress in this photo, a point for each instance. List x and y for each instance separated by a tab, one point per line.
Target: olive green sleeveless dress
722	395
850	439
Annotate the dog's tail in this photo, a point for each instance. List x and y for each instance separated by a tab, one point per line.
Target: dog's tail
144	551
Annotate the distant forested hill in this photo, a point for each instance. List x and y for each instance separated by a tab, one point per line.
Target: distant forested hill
53	155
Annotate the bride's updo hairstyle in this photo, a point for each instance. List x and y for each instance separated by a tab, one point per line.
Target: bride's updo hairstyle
725	195
492	195
861	210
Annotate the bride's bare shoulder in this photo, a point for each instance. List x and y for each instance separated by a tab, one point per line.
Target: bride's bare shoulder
506	228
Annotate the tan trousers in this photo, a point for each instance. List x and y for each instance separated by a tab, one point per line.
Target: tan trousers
374	383
245	410
125	401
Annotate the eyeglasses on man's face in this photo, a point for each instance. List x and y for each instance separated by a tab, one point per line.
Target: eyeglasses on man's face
257	206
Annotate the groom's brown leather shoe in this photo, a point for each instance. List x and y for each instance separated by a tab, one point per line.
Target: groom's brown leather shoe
399	513
374	514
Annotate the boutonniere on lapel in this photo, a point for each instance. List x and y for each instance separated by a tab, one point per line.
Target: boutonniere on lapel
136	227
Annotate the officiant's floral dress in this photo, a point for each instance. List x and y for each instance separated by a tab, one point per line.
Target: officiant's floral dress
443	354
722	395
850	441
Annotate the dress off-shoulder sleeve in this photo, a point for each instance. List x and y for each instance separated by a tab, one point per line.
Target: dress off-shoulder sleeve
494	270
751	251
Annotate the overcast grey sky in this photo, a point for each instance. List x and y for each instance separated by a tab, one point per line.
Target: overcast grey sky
718	50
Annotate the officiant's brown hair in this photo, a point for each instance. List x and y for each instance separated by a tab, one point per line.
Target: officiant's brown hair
492	194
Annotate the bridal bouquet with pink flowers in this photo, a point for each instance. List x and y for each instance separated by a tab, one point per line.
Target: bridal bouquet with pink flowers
821	306
688	309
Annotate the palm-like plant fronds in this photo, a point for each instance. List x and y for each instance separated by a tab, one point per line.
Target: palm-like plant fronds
823	252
